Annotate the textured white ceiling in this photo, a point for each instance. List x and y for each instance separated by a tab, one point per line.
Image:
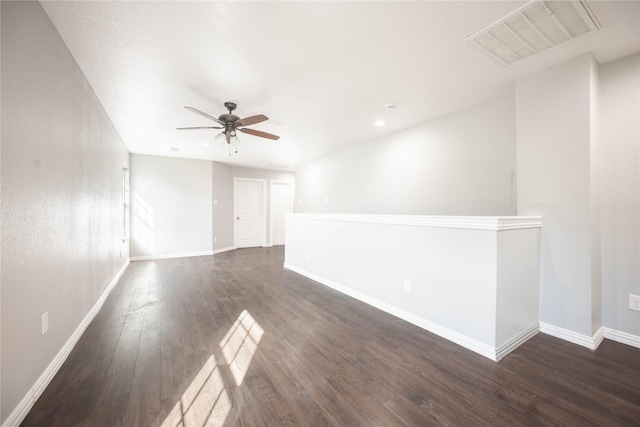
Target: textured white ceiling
321	71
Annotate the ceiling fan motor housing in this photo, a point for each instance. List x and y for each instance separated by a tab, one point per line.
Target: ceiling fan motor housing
232	123
229	121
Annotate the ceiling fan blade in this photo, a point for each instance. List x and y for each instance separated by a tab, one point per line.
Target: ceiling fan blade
228	135
260	133
201	127
204	115
251	120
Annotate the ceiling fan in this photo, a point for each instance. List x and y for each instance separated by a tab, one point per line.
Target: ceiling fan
232	123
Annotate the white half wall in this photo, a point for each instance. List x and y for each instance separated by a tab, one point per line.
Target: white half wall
171	207
473	280
461	164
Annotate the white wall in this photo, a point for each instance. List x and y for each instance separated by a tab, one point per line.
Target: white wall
461	164
62	203
554	145
178	194
620	181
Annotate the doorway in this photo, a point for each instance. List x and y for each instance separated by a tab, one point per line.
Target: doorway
249	197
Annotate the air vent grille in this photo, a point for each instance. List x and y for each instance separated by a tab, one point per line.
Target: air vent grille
535	28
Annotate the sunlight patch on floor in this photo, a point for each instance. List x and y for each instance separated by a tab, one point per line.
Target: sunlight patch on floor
240	345
205	402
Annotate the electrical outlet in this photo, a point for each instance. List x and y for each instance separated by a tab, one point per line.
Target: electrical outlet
45	322
407	285
215	239
634	302
308	256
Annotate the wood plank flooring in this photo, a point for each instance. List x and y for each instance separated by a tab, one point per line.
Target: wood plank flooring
235	340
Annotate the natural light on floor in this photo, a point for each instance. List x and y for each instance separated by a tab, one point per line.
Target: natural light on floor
240	344
206	400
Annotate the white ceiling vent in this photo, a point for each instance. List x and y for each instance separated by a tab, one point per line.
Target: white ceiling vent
534	28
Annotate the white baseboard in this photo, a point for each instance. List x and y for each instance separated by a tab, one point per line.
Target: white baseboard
456	337
622	337
22	409
167	256
227	249
590	342
515	342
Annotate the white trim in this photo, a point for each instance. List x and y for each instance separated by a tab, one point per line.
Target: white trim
456	337
263	216
515	342
22	409
590	342
622	337
166	256
291	199
493	223
221	250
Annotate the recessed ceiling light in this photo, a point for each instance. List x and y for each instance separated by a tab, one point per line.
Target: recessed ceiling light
379	123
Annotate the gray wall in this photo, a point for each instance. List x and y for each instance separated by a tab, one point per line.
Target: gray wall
223	206
178	193
620	176
554	180
461	164
62	206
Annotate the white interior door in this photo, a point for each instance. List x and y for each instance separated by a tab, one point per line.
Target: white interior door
249	209
281	202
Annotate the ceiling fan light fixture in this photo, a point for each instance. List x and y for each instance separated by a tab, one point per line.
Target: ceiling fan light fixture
230	123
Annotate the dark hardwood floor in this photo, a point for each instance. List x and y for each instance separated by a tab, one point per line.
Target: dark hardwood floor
234	339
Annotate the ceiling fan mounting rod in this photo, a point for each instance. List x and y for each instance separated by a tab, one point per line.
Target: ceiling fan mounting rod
230	106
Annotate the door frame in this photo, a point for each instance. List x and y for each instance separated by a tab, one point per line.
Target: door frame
272	183
263	213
